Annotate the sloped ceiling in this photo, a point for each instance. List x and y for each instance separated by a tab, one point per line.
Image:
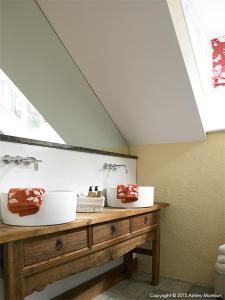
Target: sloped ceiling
129	53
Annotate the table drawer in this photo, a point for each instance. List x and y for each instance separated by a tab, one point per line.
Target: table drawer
110	230
144	221
43	248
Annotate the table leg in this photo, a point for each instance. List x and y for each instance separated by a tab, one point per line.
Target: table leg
156	258
128	260
13	262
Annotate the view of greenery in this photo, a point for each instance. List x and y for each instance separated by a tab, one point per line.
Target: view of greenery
19	117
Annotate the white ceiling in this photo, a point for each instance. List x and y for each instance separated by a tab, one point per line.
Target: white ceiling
129	53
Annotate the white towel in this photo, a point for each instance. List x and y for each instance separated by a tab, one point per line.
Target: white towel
221	250
220	268
221	259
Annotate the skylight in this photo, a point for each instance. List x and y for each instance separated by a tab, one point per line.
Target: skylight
18	117
205	25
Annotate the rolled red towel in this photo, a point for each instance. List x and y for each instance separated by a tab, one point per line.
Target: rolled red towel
25	201
127	193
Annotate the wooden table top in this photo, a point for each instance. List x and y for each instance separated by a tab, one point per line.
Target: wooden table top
10	233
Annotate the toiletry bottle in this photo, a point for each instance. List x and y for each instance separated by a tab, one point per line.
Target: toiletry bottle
91	193
96	190
98	193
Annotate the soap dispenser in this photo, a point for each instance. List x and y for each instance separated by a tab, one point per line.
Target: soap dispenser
90	192
98	193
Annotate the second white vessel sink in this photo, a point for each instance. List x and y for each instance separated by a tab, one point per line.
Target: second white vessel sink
146	198
57	207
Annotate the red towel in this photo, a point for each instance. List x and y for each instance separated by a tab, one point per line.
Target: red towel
25	201
218	56
127	192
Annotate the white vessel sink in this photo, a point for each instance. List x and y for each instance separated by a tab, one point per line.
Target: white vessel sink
146	198
57	207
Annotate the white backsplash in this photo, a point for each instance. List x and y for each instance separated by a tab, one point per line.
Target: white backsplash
63	169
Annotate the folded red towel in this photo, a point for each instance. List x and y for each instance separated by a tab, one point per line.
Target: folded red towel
25	201
127	192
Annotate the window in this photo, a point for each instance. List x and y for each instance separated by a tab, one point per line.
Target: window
208	43
18	117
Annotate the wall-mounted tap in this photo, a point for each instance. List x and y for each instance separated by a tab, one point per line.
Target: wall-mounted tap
18	160
107	166
31	160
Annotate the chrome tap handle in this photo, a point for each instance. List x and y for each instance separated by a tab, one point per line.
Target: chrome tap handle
18	160
7	159
105	166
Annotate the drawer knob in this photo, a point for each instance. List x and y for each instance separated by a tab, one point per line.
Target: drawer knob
113	229
59	244
146	220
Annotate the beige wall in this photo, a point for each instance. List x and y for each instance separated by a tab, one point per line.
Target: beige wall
191	177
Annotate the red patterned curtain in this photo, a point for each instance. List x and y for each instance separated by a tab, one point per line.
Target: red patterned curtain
218	55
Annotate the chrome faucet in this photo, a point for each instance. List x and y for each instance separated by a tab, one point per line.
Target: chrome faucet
114	167
18	160
31	160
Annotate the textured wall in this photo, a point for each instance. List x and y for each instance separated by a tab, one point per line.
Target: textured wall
191	177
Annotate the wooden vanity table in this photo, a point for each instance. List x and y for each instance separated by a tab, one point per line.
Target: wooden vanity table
37	256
